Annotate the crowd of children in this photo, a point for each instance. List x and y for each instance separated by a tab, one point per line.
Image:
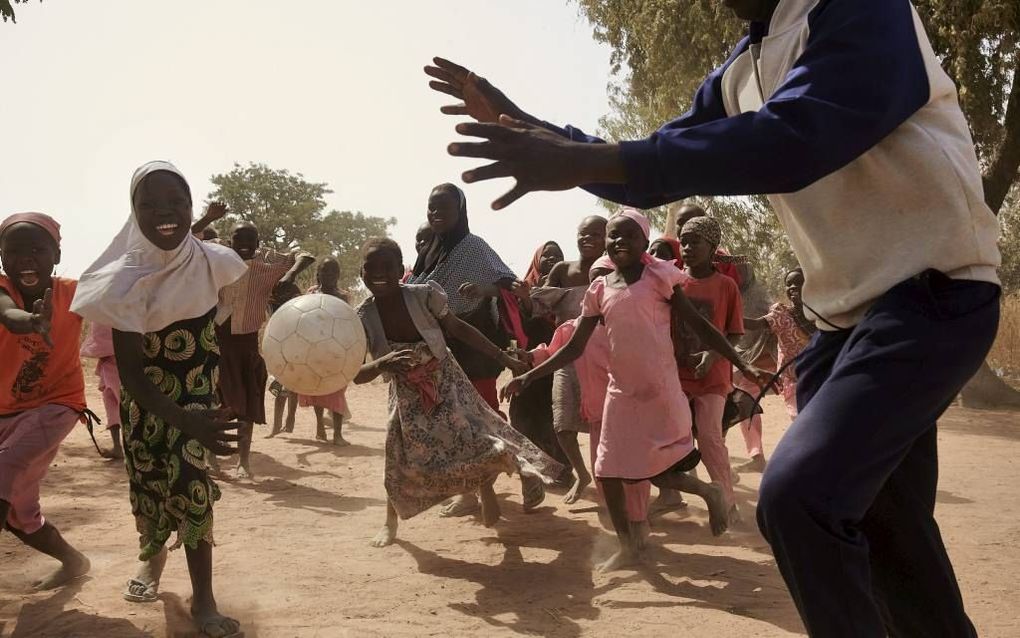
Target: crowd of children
183	382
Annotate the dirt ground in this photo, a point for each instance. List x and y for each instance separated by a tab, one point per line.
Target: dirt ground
292	555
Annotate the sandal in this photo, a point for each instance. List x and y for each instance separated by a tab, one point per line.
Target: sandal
141	592
214	628
533	492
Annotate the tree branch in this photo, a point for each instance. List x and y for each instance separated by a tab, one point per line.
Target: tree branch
1003	169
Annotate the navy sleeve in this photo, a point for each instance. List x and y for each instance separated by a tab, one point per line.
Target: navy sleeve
860	76
706	107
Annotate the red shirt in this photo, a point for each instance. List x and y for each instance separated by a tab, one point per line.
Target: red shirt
717	298
33	374
728	269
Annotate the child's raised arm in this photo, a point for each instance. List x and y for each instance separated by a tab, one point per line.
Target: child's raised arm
563	357
209	427
459	329
21	322
710	336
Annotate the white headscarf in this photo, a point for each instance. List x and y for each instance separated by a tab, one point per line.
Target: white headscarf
136	287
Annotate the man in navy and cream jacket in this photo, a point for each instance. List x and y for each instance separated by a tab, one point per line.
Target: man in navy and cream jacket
839	111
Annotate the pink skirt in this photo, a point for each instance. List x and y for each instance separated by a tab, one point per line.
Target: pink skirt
336	402
109	385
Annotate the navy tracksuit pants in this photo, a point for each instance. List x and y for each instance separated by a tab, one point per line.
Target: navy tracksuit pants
848	498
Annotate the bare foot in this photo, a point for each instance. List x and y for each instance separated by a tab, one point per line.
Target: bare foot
667	501
718	512
756	464
69	570
112	455
490	506
620	560
243	472
340	441
214	624
320	434
463	505
385	537
575	492
273	432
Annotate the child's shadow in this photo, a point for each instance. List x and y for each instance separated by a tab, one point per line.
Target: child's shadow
48	618
282	490
544	597
325	447
750	589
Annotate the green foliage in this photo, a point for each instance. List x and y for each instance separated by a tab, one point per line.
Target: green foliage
662	50
290	212
1009	218
7	11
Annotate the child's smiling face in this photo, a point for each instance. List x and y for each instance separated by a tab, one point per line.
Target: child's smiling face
162	207
28	254
591	237
381	271
627	242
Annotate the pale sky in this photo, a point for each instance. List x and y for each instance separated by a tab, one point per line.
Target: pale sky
331	89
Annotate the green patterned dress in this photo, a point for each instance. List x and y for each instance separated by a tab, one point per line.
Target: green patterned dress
170	486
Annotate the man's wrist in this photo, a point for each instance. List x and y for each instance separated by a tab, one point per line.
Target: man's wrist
600	163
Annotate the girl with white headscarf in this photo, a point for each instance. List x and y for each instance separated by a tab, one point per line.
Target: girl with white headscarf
157	287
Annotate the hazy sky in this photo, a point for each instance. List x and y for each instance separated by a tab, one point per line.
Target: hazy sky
331	89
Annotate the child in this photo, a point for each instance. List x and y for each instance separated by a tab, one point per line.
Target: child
328	276
239	316
99	345
708	379
568	281
157	286
42	390
283	399
593	373
793	331
646	423
443	438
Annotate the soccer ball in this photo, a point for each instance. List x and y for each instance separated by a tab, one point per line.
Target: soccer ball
314	344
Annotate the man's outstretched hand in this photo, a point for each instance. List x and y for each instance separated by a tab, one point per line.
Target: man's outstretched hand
537	158
479	99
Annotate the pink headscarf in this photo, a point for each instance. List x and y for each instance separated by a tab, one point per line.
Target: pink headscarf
42	220
637	218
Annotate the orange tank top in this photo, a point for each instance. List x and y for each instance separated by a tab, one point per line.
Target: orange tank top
33	374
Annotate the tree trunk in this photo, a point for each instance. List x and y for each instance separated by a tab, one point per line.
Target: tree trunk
986	390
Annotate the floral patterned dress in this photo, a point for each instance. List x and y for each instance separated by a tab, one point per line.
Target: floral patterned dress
792	339
443	439
170	487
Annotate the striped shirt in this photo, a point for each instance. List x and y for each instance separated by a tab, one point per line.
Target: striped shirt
246	301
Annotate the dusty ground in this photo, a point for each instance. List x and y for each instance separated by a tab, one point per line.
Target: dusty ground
293	560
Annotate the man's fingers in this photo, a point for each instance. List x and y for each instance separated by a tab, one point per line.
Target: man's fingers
510	196
486	130
489	171
451	67
444	87
454	109
442	74
485	150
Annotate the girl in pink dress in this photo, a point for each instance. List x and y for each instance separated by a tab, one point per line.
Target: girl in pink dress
646	422
328	276
99	345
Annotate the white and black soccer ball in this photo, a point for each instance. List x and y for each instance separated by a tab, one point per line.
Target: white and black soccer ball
314	344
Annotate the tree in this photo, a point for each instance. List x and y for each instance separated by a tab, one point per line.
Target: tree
662	49
7	11
290	211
